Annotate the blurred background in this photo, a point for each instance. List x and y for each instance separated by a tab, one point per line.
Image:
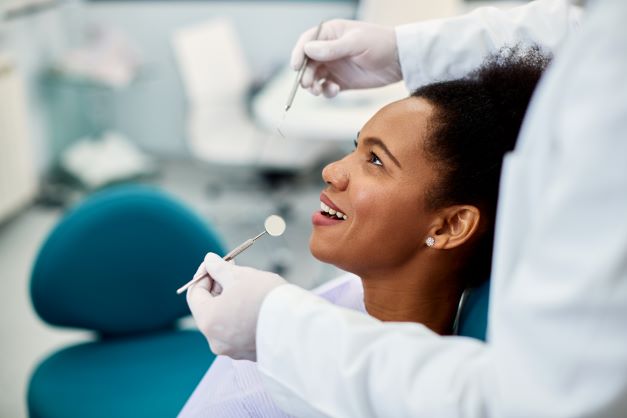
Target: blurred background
183	96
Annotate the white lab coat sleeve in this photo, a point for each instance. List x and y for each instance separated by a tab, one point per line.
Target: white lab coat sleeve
348	364
445	49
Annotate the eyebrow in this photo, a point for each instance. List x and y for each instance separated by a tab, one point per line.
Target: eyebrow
376	141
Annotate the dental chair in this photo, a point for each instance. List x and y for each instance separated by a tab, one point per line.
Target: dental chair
112	265
473	318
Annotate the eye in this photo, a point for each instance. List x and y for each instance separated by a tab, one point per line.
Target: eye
374	159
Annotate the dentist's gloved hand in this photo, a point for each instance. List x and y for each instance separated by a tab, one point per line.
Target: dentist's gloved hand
229	320
347	55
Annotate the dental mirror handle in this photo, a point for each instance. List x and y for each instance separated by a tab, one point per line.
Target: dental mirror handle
241	248
230	256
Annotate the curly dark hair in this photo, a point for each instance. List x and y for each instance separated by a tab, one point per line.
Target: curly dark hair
475	123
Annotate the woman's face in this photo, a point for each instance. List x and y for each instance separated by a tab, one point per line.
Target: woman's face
379	190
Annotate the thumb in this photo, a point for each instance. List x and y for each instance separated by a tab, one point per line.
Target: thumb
344	47
220	270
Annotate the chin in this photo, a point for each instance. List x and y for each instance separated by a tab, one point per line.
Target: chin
319	251
329	255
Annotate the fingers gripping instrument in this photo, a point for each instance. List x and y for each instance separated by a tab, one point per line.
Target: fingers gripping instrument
274	225
301	72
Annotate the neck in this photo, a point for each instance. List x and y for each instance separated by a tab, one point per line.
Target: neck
419	291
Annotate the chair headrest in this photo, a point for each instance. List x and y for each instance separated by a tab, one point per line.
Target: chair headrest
473	319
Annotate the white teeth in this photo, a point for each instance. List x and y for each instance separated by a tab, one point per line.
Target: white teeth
325	208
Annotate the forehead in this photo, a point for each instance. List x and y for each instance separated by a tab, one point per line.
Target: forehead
401	125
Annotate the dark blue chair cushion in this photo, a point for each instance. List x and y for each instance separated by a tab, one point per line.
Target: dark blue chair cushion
113	264
145	376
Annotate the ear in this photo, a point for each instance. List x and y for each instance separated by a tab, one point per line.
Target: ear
455	226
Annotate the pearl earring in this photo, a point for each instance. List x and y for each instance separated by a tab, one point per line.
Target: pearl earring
430	241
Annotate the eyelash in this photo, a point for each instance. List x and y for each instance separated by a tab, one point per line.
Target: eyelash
374	158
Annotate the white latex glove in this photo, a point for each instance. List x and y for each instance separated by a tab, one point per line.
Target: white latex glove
229	320
347	55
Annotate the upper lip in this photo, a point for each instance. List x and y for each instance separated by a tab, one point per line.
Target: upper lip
325	199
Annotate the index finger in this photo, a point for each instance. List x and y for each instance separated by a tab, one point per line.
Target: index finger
202	306
298	53
198	292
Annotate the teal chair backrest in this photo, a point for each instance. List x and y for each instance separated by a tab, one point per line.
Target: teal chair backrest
473	319
113	264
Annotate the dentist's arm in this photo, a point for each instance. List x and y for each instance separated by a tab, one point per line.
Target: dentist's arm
450	48
319	360
353	55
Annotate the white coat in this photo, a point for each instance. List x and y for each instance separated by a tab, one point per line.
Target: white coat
557	337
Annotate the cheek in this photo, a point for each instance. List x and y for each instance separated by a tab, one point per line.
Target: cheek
386	221
387	229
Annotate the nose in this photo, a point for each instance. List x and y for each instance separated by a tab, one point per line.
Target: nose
335	175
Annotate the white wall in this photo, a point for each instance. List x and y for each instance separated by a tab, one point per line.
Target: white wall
17	172
31	43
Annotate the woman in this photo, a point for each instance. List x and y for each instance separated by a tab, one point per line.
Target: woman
410	212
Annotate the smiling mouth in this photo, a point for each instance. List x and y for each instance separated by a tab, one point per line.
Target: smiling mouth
331	213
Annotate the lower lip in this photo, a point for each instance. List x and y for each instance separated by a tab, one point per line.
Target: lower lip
318	219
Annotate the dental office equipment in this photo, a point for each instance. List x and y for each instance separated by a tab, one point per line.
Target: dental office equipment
274	225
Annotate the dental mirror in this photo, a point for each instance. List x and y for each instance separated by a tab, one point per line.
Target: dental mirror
274	225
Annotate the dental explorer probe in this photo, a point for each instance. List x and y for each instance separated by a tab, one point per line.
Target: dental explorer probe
301	72
274	225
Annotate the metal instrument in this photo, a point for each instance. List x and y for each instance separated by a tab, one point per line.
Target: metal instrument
274	225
